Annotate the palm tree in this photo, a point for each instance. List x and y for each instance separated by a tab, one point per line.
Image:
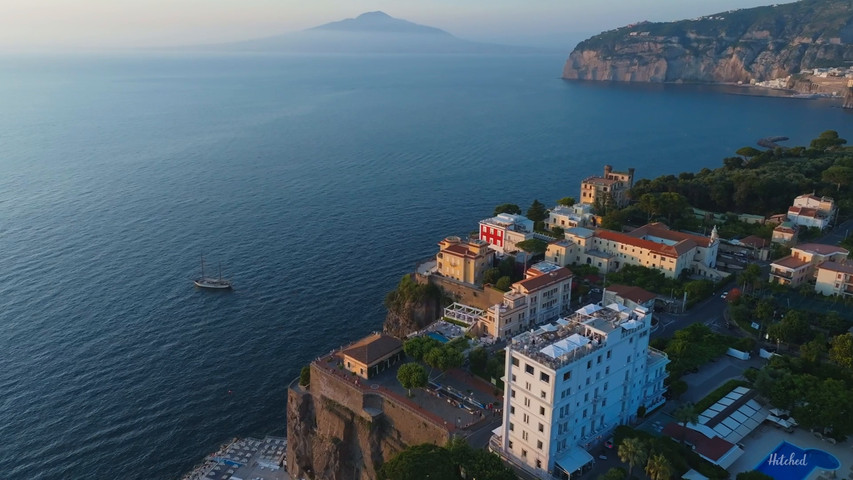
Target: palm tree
685	414
633	452
658	468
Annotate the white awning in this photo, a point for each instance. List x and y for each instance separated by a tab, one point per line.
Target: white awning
549	327
694	475
573	459
499	430
588	310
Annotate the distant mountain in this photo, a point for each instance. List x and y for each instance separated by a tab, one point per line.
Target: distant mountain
735	46
379	22
372	32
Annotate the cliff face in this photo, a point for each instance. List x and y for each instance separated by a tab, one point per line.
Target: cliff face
413	305
340	431
737	46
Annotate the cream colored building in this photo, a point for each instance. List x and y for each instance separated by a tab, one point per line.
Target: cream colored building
785	233
578	215
543	296
372	355
835	278
812	211
801	265
653	246
464	261
614	184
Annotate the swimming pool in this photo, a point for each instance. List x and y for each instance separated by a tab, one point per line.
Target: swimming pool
790	462
441	338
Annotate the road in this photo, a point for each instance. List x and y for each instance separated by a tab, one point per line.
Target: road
709	311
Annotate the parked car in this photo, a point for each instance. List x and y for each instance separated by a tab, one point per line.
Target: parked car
609	443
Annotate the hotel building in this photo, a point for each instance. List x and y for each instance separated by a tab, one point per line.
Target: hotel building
569	384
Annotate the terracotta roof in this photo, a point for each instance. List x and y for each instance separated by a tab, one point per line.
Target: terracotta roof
635	294
804	212
711	448
754	242
842	267
600	180
373	348
790	262
461	250
786	228
660	230
821	249
660	248
540	281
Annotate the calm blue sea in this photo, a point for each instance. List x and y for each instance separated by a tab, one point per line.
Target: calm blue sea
316	182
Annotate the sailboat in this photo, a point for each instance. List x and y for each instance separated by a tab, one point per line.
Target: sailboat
211	282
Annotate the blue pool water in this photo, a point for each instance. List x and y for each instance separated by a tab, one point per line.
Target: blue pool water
790	462
441	338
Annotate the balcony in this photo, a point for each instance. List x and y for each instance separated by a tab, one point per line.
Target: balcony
782	274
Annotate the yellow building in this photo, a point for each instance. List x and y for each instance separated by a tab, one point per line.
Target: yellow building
801	265
613	184
835	278
372	355
464	261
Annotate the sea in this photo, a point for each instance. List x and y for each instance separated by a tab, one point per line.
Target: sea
314	182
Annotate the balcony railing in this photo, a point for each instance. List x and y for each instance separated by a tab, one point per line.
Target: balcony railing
783	274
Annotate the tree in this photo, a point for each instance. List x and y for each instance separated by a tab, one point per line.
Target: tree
650	203
827	140
507	208
750	275
632	451
538	213
837	175
841	350
566	201
503	284
794	328
444	358
558	232
491	275
412	375
813	351
748	152
305	376
532	246
614	473
419	347
421	462
658	468
753	475
685	414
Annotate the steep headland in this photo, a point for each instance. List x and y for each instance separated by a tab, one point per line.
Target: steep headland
754	44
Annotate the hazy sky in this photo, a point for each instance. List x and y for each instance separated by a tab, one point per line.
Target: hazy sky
47	24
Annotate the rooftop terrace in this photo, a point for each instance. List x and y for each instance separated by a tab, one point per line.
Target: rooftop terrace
575	337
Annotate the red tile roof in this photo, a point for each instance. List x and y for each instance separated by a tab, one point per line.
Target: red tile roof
754	242
373	348
658	229
660	248
635	294
790	261
600	180
711	448
804	212
842	267
821	249
543	280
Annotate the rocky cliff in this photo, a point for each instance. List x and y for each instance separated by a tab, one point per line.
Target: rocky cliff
736	46
337	430
412	306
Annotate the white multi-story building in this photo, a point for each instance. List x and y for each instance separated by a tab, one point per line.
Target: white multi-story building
578	215
570	384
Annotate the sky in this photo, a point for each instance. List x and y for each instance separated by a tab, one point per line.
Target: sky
94	24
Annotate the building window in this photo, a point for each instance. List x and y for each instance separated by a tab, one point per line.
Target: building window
514	361
523	453
512	393
526	418
541	427
542	394
567	375
606	371
524	435
510	444
526	402
511	427
541	410
528	369
539	446
513	378
589	364
544	377
539	462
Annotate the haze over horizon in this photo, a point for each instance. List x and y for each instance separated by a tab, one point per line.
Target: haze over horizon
58	25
